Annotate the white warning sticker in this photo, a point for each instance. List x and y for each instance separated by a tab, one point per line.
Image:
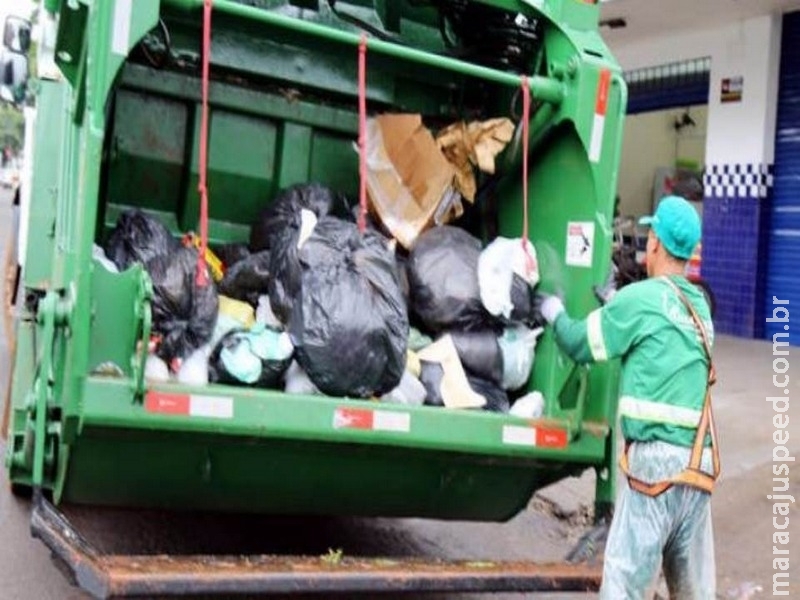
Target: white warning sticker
122	27
580	244
215	407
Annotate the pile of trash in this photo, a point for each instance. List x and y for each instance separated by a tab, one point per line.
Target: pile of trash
410	311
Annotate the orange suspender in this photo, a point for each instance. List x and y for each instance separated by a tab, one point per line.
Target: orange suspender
693	475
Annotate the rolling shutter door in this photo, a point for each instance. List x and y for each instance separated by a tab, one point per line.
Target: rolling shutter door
783	267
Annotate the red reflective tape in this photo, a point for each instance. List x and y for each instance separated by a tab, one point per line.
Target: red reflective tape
603	86
353	418
530	435
168	404
551	438
189	405
372	420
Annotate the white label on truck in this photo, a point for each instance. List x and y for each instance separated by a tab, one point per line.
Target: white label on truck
216	407
373	420
599	119
596	144
392	421
545	436
122	27
515	435
191	405
580	243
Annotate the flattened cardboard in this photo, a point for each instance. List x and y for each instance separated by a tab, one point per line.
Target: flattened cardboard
408	177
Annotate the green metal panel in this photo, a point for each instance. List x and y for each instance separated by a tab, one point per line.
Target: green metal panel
147	151
295	140
113	326
52	99
283	111
334	162
286	455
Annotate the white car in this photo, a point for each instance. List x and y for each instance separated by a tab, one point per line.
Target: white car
9	177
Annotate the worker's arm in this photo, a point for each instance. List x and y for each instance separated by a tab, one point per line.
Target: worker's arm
608	332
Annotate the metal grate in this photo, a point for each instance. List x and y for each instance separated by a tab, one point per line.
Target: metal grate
669	85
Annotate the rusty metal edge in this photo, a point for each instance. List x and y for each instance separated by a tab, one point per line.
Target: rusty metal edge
68	546
98	576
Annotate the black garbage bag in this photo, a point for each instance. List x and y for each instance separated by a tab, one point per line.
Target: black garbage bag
231	254
443	276
247	279
431	375
522	296
138	238
479	354
184	314
402	275
496	397
258	357
284	211
278	229
349	323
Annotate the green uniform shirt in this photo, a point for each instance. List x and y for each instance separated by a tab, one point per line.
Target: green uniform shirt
664	367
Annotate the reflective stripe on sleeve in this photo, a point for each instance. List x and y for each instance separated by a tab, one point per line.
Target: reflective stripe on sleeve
658	412
594	333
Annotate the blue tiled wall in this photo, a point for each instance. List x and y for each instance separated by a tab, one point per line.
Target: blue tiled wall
735	215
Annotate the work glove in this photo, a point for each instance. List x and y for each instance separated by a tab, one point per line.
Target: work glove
547	307
604	293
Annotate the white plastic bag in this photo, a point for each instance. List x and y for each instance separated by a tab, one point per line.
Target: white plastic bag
100	256
530	406
517	347
156	369
194	369
308	221
497	265
265	314
258	357
410	392
298	382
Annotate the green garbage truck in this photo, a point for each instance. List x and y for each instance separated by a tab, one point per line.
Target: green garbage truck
146	100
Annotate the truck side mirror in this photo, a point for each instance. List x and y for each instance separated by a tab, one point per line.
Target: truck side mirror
17	35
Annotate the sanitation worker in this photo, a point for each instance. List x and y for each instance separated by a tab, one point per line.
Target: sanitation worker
662	330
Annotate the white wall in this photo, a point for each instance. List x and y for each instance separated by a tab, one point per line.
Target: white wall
651	142
741	132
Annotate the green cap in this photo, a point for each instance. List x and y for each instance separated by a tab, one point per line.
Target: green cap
677	225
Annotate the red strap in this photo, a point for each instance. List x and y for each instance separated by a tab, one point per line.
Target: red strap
526	113
201	276
362	132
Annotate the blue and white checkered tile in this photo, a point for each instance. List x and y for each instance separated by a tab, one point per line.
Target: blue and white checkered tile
737	180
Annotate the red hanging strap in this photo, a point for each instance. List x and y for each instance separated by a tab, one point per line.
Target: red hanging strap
362	132
526	113
201	276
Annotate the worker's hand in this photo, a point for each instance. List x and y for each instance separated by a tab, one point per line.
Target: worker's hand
547	307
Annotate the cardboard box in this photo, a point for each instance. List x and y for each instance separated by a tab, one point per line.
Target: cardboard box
416	181
409	180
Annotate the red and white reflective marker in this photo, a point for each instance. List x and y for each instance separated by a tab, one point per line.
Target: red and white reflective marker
374	420
599	124
191	405
540	437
